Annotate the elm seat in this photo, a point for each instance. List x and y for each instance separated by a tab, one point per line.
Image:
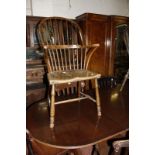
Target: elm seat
67	58
59	77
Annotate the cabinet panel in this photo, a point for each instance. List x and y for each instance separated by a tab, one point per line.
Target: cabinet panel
98	60
96	30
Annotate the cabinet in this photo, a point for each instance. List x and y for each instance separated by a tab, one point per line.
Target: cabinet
101	29
96	29
35	67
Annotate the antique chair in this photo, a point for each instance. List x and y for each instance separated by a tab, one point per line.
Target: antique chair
67	59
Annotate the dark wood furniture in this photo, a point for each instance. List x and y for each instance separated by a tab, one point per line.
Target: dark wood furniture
35	71
76	126
33	148
96	30
102	29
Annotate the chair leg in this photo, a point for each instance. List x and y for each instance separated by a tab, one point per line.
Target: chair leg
52	107
124	81
49	96
97	98
78	88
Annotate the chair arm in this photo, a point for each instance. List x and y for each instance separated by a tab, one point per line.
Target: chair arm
119	144
90	52
69	46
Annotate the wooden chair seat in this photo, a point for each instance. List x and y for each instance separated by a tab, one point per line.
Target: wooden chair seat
59	77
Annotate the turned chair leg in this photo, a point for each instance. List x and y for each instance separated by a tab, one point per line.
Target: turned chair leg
78	89
97	98
52	107
49	96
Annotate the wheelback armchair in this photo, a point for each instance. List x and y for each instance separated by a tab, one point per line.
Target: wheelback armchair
67	59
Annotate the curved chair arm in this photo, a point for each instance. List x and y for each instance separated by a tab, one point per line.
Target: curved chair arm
90	53
69	46
33	146
29	140
119	144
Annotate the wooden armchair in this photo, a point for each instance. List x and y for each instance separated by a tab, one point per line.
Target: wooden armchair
67	59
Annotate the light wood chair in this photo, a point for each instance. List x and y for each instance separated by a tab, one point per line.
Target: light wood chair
67	59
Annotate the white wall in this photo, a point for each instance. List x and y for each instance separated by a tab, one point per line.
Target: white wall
62	8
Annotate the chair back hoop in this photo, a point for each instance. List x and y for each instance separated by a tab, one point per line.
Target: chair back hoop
59	31
63	44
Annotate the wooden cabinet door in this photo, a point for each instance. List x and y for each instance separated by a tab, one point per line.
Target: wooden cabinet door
98	33
96	29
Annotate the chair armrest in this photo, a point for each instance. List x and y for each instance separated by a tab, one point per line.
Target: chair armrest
70	46
90	52
119	144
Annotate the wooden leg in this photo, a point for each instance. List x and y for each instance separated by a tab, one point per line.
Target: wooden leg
97	98
48	96
52	107
78	88
124	81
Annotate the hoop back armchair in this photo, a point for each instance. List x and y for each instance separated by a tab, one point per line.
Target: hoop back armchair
67	59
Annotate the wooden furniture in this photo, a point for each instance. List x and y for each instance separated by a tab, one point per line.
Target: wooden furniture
76	126
119	144
96	28
67	59
33	147
102	29
35	67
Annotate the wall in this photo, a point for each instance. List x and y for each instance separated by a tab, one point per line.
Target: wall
73	8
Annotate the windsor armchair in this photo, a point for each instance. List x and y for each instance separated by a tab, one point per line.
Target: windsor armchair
67	59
